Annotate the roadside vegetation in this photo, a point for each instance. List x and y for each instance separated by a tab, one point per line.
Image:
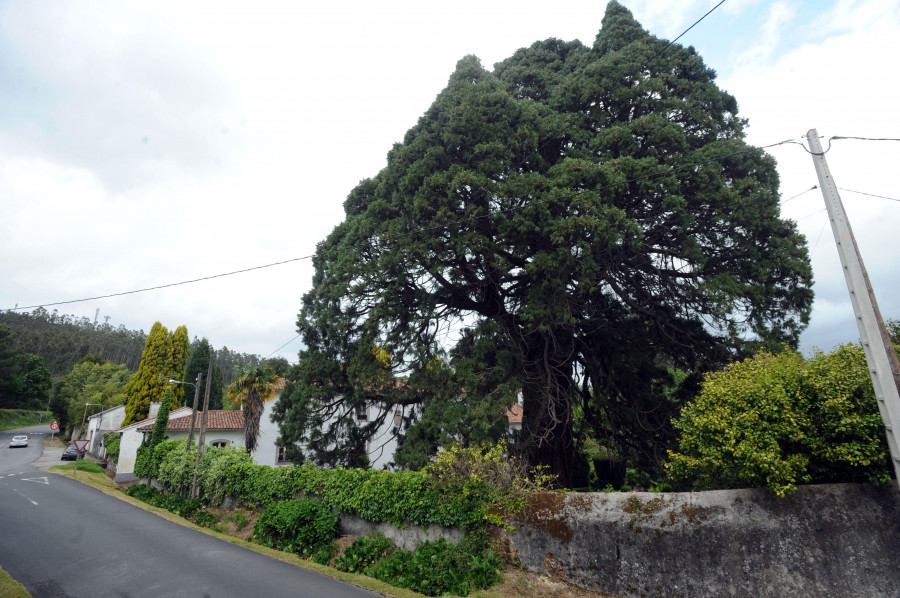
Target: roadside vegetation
10	588
11	419
471	488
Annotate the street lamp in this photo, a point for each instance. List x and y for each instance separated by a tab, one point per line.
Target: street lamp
174	381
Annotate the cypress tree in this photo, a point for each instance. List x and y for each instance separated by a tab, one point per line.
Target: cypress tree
147	384
179	348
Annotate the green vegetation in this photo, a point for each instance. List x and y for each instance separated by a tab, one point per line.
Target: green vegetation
252	387
84	466
21	418
24	379
164	355
777	420
10	588
144	464
91	380
300	526
594	214
199	364
465	487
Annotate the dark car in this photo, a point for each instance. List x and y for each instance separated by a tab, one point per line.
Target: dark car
70	454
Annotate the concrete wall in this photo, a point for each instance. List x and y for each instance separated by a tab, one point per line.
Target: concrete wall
824	541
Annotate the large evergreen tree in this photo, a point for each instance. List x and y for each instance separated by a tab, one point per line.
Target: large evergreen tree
590	215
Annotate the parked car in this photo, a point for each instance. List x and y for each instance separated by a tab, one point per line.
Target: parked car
18	441
70	454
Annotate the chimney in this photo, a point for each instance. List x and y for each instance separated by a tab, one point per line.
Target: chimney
154	409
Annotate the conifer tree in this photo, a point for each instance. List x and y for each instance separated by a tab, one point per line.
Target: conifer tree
179	349
164	355
595	218
199	364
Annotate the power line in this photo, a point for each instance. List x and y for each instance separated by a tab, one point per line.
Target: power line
799	194
869	194
866	138
281	347
162	286
688	29
419	231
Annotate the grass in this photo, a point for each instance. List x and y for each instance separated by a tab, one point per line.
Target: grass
84	465
10	419
10	588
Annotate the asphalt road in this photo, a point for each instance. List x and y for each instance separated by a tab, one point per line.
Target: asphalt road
63	539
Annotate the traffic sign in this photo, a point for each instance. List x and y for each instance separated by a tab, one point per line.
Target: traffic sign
54	426
80	445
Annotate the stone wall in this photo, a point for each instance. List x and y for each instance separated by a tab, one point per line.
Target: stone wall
823	541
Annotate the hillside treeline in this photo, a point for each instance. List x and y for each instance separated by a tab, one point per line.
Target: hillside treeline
63	340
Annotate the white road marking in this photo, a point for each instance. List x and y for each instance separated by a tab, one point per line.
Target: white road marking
38	480
25	497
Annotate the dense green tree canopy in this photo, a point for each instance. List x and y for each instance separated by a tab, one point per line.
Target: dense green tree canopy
569	226
90	381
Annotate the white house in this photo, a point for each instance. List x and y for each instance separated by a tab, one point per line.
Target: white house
132	438
100	424
223	428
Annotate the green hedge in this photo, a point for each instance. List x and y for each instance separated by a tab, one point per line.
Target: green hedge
377	496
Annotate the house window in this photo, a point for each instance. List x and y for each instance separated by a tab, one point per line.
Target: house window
219	443
362	413
281	458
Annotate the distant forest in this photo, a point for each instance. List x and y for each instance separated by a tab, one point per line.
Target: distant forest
63	339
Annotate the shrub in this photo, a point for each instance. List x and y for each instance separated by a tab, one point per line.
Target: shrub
438	568
777	420
205	519
111	442
485	480
301	526
364	553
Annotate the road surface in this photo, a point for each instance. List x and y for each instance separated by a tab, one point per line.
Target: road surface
63	539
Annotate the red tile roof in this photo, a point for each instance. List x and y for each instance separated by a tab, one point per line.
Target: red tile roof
514	414
280	384
216	420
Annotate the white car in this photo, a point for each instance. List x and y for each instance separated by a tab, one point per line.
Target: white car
18	441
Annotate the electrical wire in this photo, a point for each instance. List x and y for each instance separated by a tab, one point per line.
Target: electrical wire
418	231
799	194
281	347
866	138
869	194
688	29
162	286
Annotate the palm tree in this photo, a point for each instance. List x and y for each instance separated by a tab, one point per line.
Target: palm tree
252	387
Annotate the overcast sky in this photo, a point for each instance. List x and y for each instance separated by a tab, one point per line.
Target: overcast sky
148	143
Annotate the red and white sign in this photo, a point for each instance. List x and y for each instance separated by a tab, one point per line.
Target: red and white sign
54	426
80	445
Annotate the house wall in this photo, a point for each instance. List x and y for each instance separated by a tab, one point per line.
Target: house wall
100	424
266	452
131	440
232	437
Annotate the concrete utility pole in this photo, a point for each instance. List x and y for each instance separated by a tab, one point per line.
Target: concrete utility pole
194	411
884	366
